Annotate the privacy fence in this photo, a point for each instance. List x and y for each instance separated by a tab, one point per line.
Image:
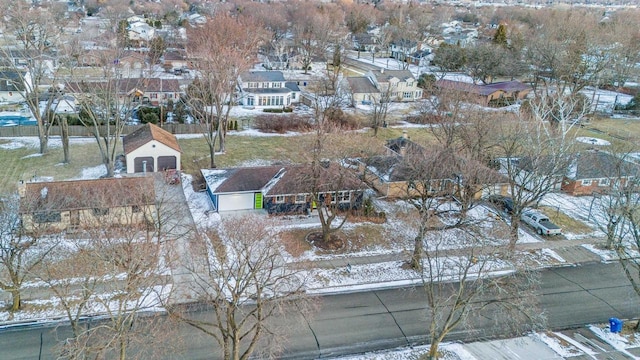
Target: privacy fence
9	131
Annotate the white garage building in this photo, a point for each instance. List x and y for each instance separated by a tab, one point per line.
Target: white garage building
150	148
239	188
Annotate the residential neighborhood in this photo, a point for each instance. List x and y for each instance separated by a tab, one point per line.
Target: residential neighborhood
298	180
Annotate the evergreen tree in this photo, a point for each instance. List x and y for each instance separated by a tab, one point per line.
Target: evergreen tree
500	37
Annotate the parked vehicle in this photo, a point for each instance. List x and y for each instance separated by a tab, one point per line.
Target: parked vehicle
503	203
540	223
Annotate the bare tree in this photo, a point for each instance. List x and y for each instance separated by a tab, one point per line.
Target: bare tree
436	178
21	251
31	61
537	150
122	273
223	48
240	273
461	287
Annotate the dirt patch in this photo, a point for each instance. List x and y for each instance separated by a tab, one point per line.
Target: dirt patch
334	242
294	242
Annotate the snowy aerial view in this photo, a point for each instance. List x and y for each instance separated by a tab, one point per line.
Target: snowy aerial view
238	180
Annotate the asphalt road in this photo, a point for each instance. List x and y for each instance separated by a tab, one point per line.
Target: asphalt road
371	320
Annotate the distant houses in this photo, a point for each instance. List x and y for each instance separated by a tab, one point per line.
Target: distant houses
506	92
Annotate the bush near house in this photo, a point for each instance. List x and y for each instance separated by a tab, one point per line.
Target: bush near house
281	124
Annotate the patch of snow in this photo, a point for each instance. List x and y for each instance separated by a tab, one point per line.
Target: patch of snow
561	348
617	341
94	172
593	141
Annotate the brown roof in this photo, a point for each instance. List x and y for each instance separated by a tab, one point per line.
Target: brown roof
299	180
240	179
484	90
147	133
87	194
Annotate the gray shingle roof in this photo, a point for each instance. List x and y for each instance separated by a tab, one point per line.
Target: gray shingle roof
361	85
386	75
262	76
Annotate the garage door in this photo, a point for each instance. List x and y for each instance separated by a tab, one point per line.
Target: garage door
235	202
140	161
166	162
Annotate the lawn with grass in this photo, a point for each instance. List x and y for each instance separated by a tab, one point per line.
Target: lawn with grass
566	223
24	163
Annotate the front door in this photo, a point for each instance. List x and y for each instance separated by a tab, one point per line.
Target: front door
74	218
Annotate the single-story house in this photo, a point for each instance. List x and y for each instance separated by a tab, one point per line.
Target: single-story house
407	168
266	89
596	172
362	90
153	91
279	189
239	188
507	91
151	148
338	186
77	204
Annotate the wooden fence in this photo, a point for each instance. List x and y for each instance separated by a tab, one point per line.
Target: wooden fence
12	131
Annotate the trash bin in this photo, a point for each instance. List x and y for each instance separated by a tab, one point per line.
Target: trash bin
615	325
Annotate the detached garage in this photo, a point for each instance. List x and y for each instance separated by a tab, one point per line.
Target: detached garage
239	188
150	148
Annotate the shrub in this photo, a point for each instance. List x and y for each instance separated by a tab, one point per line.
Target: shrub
281	123
342	120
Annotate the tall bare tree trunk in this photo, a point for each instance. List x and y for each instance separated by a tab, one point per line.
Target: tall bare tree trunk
16	299
64	132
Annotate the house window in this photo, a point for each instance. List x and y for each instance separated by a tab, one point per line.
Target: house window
47	217
586	182
276	85
100	211
407	94
135	209
252	85
301	199
265	85
344	197
279	199
604	182
154	95
250	101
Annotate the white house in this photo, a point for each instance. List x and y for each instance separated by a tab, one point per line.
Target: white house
377	85
150	149
267	89
141	32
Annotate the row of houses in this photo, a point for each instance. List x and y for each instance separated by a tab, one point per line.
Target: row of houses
285	189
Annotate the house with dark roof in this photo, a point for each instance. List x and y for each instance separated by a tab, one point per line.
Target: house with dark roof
266	89
407	169
503	92
78	204
597	172
362	90
12	86
151	148
280	189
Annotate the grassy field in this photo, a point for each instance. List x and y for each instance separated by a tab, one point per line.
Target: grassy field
24	163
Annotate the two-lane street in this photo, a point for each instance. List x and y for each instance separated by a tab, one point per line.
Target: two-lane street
372	320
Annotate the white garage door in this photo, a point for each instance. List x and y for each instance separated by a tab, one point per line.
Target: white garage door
235	202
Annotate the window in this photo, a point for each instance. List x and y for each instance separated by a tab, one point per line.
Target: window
276	85
250	101
265	85
100	211
252	85
604	182
47	217
586	182
344	197
154	96
301	199
279	199
135	209
407	94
